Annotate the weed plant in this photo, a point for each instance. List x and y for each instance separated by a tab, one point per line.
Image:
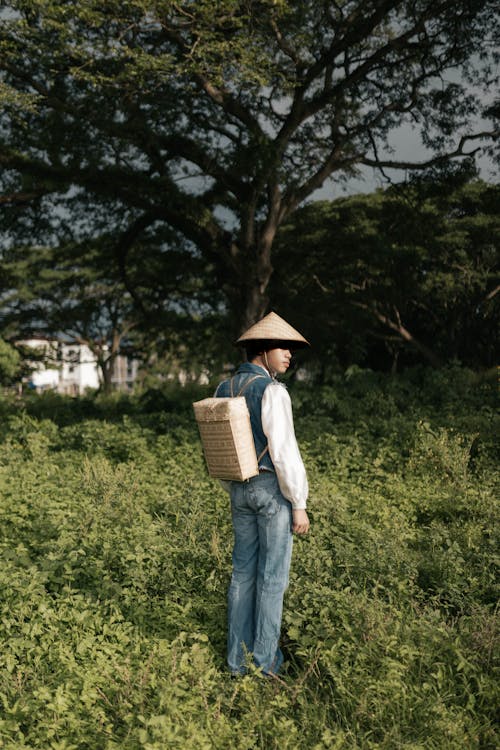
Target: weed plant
116	552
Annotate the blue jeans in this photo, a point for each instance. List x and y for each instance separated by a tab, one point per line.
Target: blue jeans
262	525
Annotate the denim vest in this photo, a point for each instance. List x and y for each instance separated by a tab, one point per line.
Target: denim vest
253	395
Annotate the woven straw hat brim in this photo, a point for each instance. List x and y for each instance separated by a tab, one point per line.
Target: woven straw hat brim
273	328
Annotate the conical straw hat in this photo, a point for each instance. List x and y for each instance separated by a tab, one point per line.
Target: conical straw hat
273	328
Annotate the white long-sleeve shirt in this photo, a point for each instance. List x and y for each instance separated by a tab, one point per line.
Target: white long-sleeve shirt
277	423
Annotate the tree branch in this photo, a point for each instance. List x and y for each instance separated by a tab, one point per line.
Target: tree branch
223	98
459	151
124	244
401	330
22	199
493	293
188	213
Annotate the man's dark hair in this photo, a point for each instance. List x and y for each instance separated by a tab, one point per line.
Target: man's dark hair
256	347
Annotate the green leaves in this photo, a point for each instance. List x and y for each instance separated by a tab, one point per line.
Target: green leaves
395	277
115	553
10	363
217	120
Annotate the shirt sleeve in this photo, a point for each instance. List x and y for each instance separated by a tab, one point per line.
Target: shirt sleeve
277	423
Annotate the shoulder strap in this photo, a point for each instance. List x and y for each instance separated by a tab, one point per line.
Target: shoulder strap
245	385
262	454
249	381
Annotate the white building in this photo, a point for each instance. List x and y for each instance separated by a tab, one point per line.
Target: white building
71	368
79	369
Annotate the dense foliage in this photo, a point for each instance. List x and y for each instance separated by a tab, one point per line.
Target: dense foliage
396	277
116	554
201	126
9	362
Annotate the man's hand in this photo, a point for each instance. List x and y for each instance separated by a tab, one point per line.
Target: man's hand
300	522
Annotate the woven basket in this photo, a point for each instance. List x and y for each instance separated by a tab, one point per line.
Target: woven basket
226	436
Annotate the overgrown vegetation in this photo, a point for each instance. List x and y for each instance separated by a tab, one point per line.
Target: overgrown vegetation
116	555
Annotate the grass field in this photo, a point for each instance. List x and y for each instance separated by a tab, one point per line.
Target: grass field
116	551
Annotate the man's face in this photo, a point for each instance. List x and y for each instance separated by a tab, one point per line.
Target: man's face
279	360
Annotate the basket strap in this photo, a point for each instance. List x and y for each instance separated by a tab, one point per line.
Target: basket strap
262	453
248	382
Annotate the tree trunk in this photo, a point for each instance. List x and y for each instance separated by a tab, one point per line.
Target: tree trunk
250	299
107	363
107	374
254	305
247	305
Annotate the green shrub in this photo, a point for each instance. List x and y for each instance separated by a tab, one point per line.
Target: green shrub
115	553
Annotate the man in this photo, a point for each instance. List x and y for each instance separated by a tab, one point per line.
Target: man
268	507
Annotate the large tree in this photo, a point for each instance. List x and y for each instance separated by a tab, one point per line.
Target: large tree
216	120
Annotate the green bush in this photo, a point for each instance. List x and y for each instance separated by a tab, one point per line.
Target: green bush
115	559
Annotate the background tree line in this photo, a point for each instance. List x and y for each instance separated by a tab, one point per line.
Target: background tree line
403	276
398	277
156	155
